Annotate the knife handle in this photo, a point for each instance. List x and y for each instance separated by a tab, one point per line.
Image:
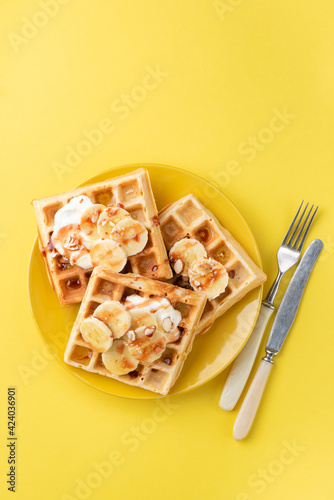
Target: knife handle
250	405
243	364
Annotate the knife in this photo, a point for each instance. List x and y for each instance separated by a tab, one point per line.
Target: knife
281	326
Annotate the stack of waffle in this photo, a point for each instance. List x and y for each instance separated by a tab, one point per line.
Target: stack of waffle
147	274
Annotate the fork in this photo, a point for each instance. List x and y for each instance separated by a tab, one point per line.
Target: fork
287	256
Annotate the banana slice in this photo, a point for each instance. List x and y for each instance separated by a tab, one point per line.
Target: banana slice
109	254
115	316
131	234
88	223
174	335
184	253
97	335
143	321
108	220
147	348
118	359
208	276
81	259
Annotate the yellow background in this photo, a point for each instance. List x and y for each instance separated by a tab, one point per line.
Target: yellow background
228	67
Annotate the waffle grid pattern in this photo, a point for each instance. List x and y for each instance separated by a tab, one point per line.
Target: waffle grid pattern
160	375
133	192
188	217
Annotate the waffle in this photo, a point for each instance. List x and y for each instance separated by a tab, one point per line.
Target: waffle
160	375
133	192
188	217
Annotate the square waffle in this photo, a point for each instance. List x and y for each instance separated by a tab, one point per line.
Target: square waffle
187	217
160	375
131	191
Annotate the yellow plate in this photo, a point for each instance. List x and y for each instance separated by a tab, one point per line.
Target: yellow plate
213	351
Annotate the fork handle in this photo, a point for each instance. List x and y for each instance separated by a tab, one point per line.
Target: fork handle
250	405
243	364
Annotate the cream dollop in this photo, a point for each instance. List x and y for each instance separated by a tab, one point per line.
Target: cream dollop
71	212
160	306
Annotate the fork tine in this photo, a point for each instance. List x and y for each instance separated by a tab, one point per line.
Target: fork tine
298	224
306	230
292	223
302	228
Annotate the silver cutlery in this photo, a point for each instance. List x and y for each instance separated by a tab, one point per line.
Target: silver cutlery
287	256
281	327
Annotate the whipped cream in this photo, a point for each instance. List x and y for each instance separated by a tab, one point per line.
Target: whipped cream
160	306
69	216
71	212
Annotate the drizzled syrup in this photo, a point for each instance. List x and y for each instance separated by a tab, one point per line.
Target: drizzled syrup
50	245
62	265
73	284
203	234
155	220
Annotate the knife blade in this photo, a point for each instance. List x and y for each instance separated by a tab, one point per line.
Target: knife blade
292	297
281	326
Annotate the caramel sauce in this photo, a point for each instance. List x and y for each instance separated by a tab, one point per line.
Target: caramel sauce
146	303
120	348
126	237
133	374
168	361
92	218
43	252
63	265
73	284
156	220
108	317
221	255
125	362
231	274
154	268
203	234
146	346
50	245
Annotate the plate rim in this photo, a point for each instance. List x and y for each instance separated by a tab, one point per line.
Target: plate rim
151	396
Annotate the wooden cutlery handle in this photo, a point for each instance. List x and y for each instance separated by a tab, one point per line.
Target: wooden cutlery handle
251	402
242	366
